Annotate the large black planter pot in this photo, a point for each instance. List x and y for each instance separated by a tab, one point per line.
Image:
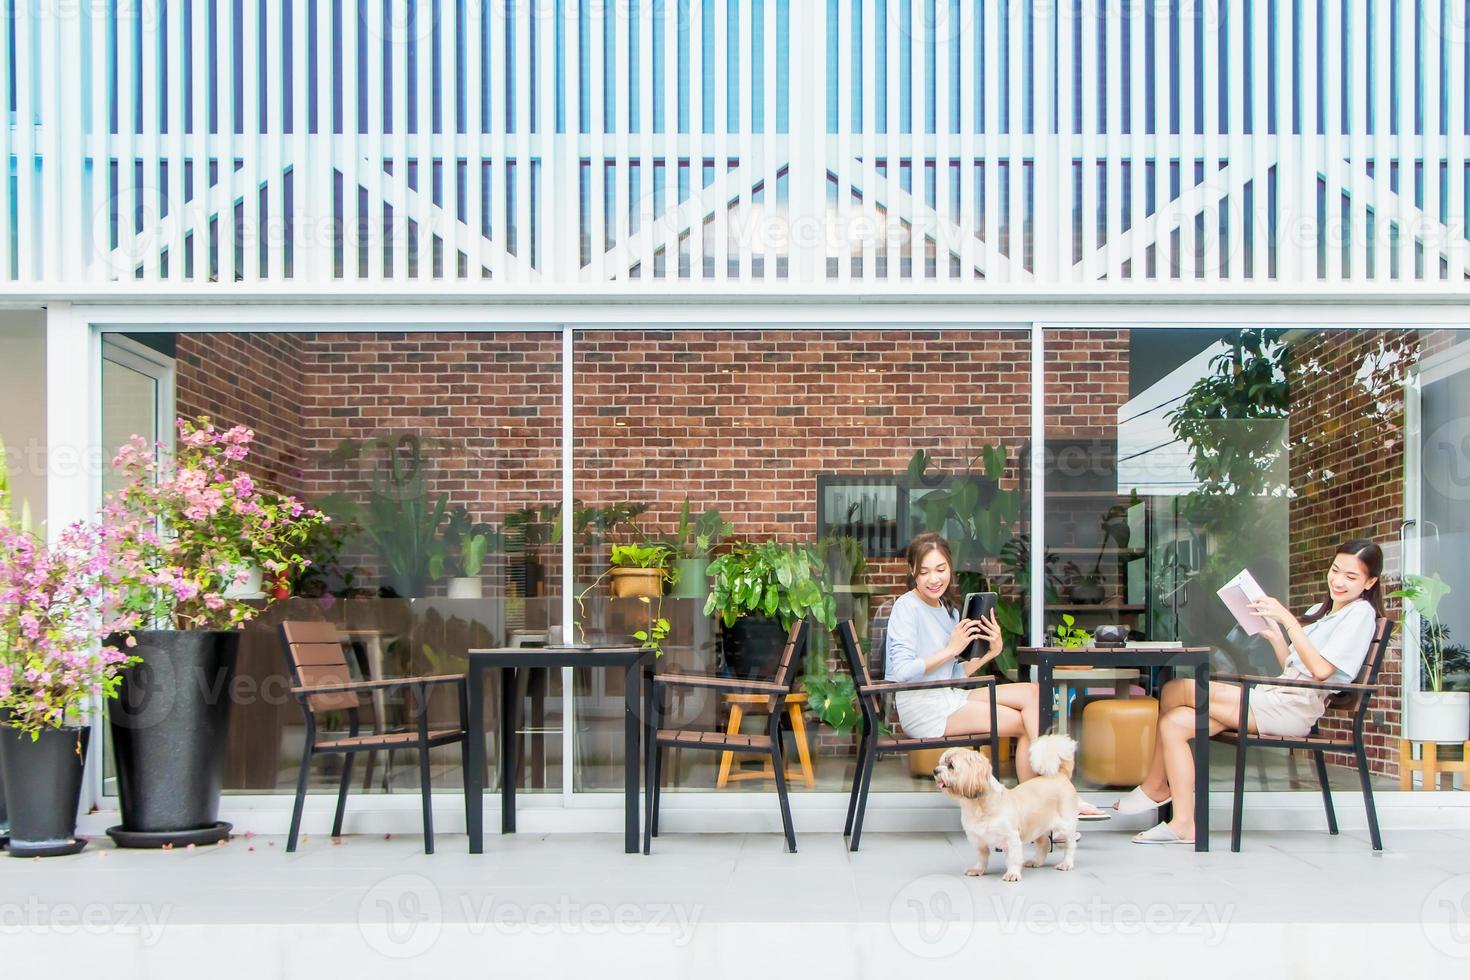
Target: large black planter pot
752	647
169	726
44	778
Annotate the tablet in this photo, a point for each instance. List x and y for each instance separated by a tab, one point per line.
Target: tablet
978	605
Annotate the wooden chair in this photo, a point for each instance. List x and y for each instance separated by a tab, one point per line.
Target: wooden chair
775	691
321	682
1352	697
874	743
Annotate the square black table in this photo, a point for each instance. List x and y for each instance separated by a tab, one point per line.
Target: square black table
637	692
1196	659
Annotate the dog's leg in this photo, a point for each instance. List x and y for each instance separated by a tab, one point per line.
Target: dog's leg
1013	857
1069	853
1043	848
983	859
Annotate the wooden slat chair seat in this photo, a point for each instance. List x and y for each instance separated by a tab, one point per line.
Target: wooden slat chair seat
322	682
873	743
1351	698
775	689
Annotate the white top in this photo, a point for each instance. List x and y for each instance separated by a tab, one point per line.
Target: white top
1342	638
917	630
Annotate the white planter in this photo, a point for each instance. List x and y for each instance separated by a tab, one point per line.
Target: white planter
467	588
1439	717
252	587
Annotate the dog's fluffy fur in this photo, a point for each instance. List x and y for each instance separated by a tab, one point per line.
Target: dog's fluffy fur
996	817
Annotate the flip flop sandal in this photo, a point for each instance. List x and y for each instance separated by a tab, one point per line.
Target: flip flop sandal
1100	815
1161	834
1137	801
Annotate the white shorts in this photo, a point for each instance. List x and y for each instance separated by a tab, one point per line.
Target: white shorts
1287	711
923	713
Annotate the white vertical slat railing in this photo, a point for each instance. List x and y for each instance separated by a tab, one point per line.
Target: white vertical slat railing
1006	147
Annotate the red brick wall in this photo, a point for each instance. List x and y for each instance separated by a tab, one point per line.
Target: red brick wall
250	379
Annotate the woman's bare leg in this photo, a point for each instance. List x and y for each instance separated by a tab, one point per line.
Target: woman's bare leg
1176	732
1024	699
1177	693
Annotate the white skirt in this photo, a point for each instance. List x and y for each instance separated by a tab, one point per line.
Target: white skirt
923	714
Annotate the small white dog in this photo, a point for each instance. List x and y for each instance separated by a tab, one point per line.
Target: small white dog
996	817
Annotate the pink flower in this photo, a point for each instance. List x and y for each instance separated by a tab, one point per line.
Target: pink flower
244	486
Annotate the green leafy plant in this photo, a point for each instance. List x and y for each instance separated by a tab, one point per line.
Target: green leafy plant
466	545
637	556
831	697
696	537
1069	636
784	582
845	560
1424	593
652	555
658	630
398	519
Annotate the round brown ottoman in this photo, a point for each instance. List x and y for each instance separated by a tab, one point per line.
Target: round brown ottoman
1118	740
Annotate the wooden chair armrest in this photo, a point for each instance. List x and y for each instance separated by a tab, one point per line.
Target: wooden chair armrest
885	687
1251	680
385	684
733	685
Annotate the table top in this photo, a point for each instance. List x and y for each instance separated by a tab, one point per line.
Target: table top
564	655
1113	656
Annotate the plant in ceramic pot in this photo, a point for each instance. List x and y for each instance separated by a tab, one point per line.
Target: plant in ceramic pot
467	546
57	602
185	527
641	569
694	540
1435	714
759	592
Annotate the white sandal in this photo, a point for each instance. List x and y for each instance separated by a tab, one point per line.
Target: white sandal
1137	801
1161	834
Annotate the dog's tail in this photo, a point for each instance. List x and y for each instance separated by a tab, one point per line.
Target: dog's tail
1053	754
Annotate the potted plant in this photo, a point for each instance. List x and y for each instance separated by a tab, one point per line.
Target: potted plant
466	547
399	518
641	569
694	540
177	535
760	591
1086	588
56	603
1435	714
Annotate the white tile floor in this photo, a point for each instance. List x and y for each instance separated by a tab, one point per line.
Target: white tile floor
738	905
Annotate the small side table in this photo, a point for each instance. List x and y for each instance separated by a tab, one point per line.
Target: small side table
795	701
1428	763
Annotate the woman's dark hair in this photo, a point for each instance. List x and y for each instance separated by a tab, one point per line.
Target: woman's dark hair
1372	558
918	550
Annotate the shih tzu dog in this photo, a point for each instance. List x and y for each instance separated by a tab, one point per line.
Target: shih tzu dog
996	817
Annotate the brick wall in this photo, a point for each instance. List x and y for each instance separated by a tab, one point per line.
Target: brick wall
250	379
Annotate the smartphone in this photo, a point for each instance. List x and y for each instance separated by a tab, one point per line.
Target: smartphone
978	605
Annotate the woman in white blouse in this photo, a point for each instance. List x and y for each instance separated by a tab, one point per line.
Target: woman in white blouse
1327	643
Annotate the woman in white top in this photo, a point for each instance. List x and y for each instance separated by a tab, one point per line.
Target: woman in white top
1327	643
926	638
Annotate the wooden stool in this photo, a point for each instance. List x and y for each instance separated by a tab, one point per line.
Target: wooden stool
1428	764
740	705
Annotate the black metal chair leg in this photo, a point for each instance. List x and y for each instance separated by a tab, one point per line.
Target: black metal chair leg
426	788
1368	798
342	794
1321	759
650	799
291	838
464	757
857	778
372	765
1238	807
862	803
658	792
779	765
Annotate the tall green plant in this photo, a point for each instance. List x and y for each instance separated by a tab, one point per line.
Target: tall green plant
398	519
696	537
1424	593
784	582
